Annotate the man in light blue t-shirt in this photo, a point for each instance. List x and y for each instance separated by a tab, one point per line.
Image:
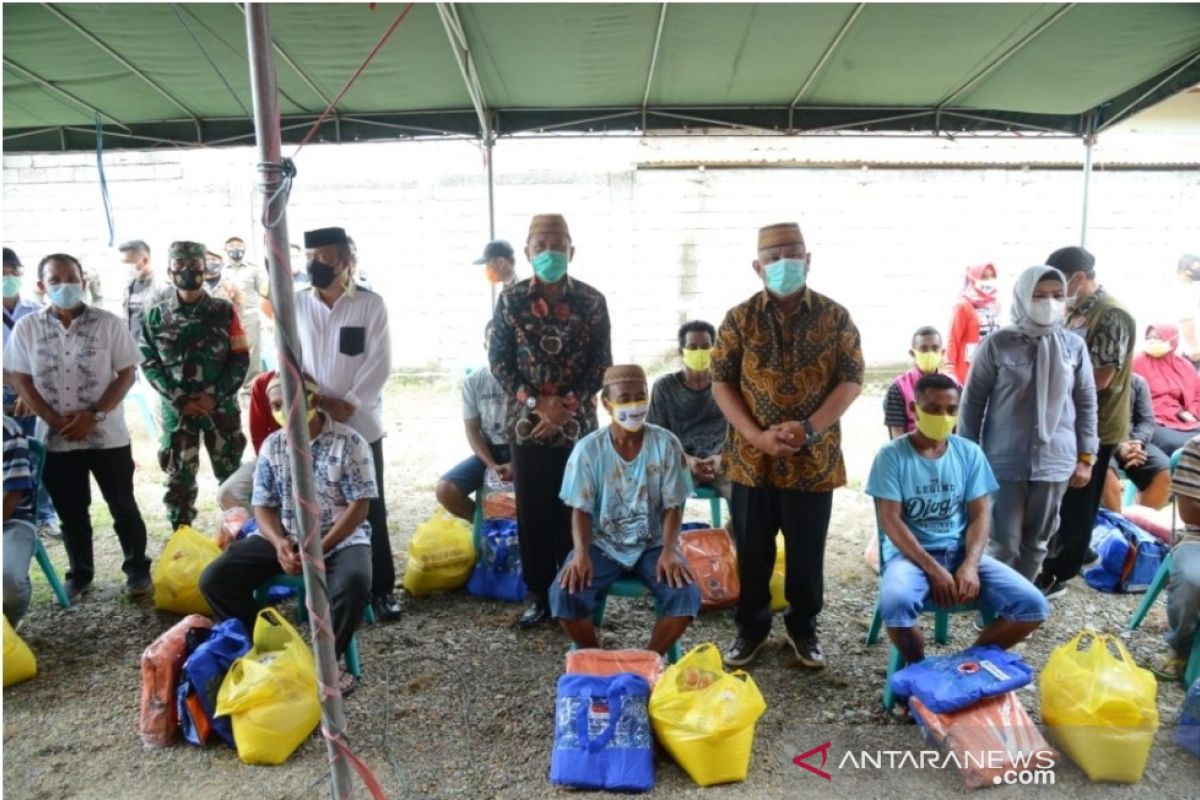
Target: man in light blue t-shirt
627	485
931	492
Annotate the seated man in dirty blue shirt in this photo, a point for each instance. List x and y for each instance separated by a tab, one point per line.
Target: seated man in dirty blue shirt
627	485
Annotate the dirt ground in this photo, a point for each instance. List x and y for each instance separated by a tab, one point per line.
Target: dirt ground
455	702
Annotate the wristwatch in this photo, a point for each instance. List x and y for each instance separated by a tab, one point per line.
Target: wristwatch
531	402
99	415
810	433
1087	458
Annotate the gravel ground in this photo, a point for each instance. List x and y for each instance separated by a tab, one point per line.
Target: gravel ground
456	703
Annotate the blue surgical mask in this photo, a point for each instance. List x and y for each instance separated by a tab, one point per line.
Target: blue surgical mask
786	276
550	265
65	295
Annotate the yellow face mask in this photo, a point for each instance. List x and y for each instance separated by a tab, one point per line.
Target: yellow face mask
698	360
928	362
936	426
1157	348
281	418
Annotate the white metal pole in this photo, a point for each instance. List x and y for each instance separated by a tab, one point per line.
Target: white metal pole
1089	140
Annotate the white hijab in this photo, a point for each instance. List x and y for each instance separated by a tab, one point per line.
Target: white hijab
1050	388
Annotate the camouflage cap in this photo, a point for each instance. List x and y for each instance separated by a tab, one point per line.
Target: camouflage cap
179	250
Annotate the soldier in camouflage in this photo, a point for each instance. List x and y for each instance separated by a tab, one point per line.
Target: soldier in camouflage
196	356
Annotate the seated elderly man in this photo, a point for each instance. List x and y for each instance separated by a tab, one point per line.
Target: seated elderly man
627	485
345	484
931	491
20	535
1183	591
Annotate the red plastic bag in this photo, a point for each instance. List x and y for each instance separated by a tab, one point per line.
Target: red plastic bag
161	662
710	557
603	663
988	739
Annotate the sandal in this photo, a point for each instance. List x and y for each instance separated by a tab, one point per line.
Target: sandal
347	683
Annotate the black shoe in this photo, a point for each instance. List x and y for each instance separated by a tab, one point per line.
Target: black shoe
74	588
1050	587
743	651
534	615
808	651
1091	558
138	585
387	607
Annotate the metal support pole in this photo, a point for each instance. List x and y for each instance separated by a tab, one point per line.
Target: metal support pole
1089	140
271	171
491	178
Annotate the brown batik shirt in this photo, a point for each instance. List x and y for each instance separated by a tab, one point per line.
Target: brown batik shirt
785	366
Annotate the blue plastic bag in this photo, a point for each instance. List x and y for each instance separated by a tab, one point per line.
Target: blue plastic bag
497	574
948	683
602	734
203	673
1129	556
1188	735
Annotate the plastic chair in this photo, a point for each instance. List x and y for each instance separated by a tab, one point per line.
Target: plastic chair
37	452
630	587
714	500
296	582
1164	569
941	627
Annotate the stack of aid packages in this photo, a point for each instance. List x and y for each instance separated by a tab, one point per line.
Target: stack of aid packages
612	704
967	705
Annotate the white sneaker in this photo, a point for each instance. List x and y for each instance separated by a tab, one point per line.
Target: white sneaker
50	529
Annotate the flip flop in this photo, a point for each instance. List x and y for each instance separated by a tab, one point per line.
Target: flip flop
347	683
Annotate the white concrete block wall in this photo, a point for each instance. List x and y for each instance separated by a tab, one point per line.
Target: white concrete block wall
662	244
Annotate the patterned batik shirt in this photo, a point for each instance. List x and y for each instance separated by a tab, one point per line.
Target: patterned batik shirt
343	471
72	367
1110	342
195	348
785	366
560	350
18	470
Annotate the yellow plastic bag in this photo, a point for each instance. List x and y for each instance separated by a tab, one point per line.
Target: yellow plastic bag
19	663
271	693
778	597
705	716
441	555
177	572
1100	707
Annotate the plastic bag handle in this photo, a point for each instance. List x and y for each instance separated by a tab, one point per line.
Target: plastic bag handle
1103	640
615	698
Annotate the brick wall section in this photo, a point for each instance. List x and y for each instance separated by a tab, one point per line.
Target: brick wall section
663	244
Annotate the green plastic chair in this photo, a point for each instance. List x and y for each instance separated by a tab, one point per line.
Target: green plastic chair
1164	570
714	502
941	627
37	451
296	582
630	587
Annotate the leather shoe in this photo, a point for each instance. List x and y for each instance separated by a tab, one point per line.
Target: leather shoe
534	615
387	607
74	588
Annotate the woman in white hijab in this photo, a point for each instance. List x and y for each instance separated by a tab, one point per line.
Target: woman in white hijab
1030	403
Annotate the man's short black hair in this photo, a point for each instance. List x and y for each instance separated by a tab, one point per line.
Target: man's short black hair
235	239
59	257
135	245
925	330
696	326
1069	260
934	382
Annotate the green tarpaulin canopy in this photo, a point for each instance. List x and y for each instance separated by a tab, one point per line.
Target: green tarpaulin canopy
178	73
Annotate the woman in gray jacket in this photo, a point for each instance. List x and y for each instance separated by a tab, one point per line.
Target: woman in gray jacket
1030	403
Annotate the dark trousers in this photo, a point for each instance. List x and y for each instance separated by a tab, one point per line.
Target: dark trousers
383	569
67	478
1076	518
543	521
758	513
228	584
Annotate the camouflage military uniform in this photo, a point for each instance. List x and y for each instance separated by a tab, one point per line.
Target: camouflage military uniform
190	349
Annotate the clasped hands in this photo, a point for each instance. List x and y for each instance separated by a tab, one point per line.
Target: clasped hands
552	414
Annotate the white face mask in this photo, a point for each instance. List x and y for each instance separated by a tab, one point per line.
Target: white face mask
1047	311
631	416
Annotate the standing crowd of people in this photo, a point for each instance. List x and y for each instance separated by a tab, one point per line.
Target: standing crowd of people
1001	437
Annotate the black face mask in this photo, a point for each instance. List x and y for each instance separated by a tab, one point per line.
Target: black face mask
321	274
235	255
189	279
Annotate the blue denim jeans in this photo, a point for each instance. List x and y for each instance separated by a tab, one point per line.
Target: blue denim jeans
681	602
1183	597
1002	590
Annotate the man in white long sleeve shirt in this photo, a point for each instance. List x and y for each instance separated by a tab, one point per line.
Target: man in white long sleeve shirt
343	331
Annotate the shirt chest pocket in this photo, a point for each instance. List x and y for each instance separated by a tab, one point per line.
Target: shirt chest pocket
352	340
333	464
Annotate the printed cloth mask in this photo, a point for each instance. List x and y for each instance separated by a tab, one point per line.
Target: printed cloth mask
550	265
320	274
1155	348
1047	311
928	362
65	295
631	416
698	360
786	276
188	279
936	426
